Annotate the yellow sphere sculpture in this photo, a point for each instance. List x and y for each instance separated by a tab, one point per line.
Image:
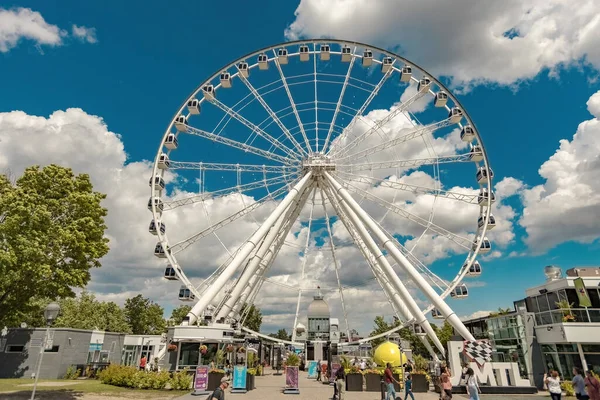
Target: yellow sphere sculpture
388	352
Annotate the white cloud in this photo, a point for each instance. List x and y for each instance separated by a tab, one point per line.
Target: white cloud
84	34
17	24
508	187
469	40
476	314
566	206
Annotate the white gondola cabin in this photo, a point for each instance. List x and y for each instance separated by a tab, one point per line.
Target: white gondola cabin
484	247
304	53
193	106
455	115
476	154
436	314
159	183
346	54
483	175
170	273
171	141
163	161
491	222
159	250
186	294
225	79
467	134
460	292
243	68
155	227
424	85
406	73
367	59
157	203
263	62
441	98
386	64
181	123
474	269
325	52
484	198
282	56
209	92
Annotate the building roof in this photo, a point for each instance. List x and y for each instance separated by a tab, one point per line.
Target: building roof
318	308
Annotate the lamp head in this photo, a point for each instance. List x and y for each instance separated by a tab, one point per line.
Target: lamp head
51	312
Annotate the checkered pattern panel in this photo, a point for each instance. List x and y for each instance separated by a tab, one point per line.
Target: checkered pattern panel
479	351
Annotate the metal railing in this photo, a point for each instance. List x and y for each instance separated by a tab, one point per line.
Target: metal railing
560	315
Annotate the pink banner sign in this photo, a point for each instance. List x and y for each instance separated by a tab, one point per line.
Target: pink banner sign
201	379
291	377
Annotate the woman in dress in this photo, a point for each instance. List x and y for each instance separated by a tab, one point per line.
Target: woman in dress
553	383
471	383
593	385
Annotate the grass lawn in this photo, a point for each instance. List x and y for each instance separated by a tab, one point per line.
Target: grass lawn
84	386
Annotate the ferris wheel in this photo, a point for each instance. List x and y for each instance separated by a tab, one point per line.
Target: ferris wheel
313	152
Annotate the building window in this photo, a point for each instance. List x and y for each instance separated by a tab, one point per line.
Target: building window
15	348
54	349
189	355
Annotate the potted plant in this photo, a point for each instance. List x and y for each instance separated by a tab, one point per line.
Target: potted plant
229	348
214	378
373	379
172	347
354	379
420	378
203	349
565	307
250	381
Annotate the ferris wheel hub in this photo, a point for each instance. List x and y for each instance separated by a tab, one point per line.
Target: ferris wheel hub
317	163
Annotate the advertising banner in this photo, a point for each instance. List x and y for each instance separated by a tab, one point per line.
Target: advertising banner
334	368
239	379
201	380
312	369
584	298
291	380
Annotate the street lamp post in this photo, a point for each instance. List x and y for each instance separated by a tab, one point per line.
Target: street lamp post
50	313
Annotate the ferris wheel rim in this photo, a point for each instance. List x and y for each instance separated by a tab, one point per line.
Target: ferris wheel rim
484	210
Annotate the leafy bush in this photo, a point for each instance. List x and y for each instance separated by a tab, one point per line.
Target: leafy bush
259	370
567	387
292	360
131	377
252	371
72	373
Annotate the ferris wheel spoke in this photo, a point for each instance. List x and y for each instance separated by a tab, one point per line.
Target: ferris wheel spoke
339	103
467	198
238	145
184	244
307	243
273	115
410	163
402	107
172	204
413	134
316	98
254	128
233	167
460	240
292	103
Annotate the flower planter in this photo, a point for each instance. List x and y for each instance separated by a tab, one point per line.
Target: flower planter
420	383
250	382
354	382
373	382
214	380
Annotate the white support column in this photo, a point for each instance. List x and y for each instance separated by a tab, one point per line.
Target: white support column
254	263
296	317
395	281
438	302
246	249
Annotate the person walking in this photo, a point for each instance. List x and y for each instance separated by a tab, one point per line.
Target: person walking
408	386
389	381
219	393
593	385
446	384
319	371
553	384
340	380
579	384
471	383
143	363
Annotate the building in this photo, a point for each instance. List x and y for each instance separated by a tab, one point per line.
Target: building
20	350
548	330
318	318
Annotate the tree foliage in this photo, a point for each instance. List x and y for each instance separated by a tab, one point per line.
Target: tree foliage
85	312
281	334
51	234
444	333
178	314
144	316
254	318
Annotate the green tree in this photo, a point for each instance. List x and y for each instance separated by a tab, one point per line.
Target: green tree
144	316
281	334
178	314
51	235
254	318
406	333
380	327
444	333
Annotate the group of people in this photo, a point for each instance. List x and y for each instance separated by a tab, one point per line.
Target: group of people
587	388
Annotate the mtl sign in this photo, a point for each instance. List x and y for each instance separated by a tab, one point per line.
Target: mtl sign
486	372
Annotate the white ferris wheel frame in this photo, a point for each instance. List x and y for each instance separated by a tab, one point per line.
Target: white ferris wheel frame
349	211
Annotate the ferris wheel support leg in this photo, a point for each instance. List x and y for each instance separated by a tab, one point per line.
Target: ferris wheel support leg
394	280
402	261
247	248
429	348
296	317
254	263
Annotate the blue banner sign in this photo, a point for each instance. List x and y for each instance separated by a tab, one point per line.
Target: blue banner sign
239	379
312	369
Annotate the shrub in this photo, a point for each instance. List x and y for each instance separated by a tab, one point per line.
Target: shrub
567	387
131	377
292	360
72	373
181	380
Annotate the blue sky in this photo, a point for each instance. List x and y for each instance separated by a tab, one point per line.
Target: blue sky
136	62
